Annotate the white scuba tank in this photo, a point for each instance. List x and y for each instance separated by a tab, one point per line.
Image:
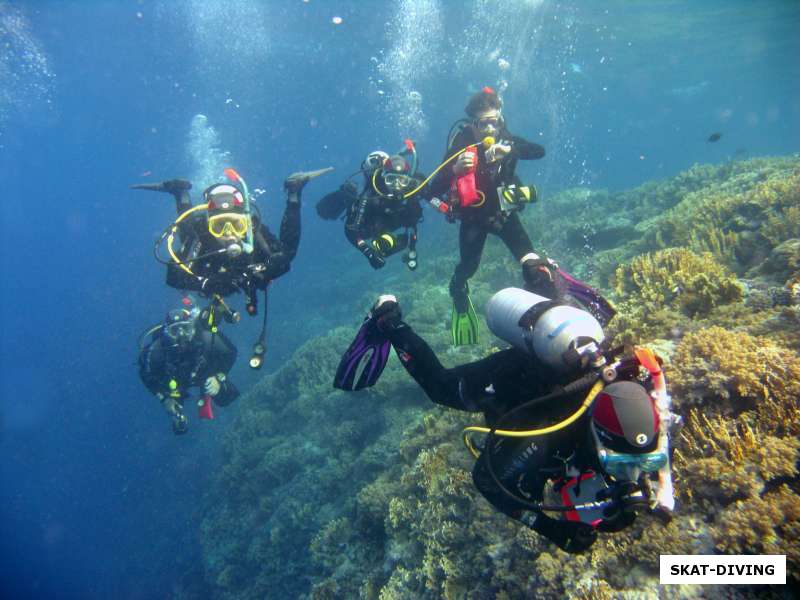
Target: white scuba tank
555	335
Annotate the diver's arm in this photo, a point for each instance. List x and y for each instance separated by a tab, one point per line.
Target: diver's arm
219	351
525	150
151	371
440	184
462	387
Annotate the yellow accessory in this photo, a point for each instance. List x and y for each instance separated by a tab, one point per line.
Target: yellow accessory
487	141
596	388
384	243
174	230
228	224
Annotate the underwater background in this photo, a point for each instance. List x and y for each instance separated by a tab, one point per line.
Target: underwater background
297	490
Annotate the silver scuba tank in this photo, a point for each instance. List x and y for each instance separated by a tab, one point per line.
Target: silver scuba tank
556	334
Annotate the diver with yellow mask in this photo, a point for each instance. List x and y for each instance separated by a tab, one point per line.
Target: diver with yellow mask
381	219
223	245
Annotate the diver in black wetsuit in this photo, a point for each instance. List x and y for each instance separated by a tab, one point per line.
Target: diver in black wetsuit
597	459
212	256
229	248
381	208
186	352
490	202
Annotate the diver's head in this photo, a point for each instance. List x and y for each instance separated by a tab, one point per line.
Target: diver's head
561	337
625	431
398	170
179	327
374	160
485	112
227	220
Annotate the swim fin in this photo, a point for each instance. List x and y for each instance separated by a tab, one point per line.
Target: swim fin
590	298
296	181
464	325
365	359
171	186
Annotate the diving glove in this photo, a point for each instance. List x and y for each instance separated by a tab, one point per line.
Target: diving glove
180	424
375	259
212	386
385	313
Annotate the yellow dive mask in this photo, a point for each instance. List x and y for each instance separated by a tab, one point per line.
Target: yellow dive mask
228	225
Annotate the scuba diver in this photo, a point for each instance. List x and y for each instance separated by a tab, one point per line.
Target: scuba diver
485	194
229	248
384	205
187	350
573	429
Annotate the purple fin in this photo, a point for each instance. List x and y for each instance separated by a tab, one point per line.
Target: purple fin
365	359
590	298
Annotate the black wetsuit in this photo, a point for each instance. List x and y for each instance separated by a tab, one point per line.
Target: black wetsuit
223	275
207	355
495	385
479	221
371	214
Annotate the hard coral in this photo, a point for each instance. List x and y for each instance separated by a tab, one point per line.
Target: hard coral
665	289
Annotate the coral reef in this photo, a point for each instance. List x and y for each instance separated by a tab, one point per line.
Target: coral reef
321	494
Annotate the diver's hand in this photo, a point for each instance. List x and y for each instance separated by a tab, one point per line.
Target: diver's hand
180	425
386	312
575	537
464	163
497	152
375	259
626	498
212	386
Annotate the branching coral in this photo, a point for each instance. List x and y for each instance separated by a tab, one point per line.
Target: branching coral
665	289
717	363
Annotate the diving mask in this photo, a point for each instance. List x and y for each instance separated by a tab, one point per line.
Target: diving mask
228	225
179	327
626	467
489	123
398	170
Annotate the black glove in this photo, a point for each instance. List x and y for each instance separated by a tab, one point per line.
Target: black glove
574	536
571	536
385	313
541	278
627	498
375	259
180	425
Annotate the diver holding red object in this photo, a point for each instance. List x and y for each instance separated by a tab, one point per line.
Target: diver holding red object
485	195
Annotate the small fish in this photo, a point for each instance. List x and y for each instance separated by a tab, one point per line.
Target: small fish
146	173
714	137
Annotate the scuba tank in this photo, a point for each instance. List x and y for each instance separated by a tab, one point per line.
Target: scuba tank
557	334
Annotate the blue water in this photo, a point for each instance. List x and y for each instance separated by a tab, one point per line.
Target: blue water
97	497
